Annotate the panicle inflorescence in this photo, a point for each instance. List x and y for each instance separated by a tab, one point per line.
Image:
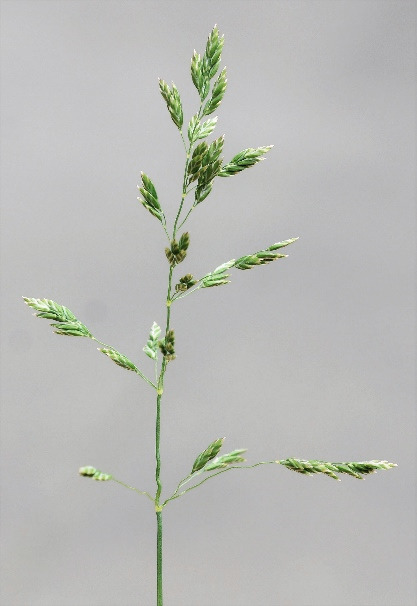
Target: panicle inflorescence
204	162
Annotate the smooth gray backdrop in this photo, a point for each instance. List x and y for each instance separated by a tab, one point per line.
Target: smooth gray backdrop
310	357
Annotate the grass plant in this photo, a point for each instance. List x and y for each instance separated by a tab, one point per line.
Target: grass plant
203	165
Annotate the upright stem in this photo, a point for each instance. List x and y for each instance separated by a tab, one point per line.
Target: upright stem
158	507
159	593
160	391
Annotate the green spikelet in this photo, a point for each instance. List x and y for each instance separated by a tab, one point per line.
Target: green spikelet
201	83
195	164
263	257
207	455
225	460
217	277
203	69
209	169
150	198
354	469
200	130
245	159
217	94
212	56
152	343
118	358
173	101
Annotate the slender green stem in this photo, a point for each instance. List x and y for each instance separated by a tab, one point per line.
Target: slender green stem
176	495
188	292
158	508
183	140
184	183
180	485
160	391
135	489
159	586
166	231
188	214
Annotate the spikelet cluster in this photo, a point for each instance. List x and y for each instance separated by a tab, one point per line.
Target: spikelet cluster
204	68
96	474
150	198
185	283
244	159
207	455
178	250
118	358
167	346
173	101
152	343
65	322
354	469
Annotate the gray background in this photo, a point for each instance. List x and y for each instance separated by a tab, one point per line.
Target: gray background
309	357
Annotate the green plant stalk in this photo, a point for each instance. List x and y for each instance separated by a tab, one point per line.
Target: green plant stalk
160	390
158	508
